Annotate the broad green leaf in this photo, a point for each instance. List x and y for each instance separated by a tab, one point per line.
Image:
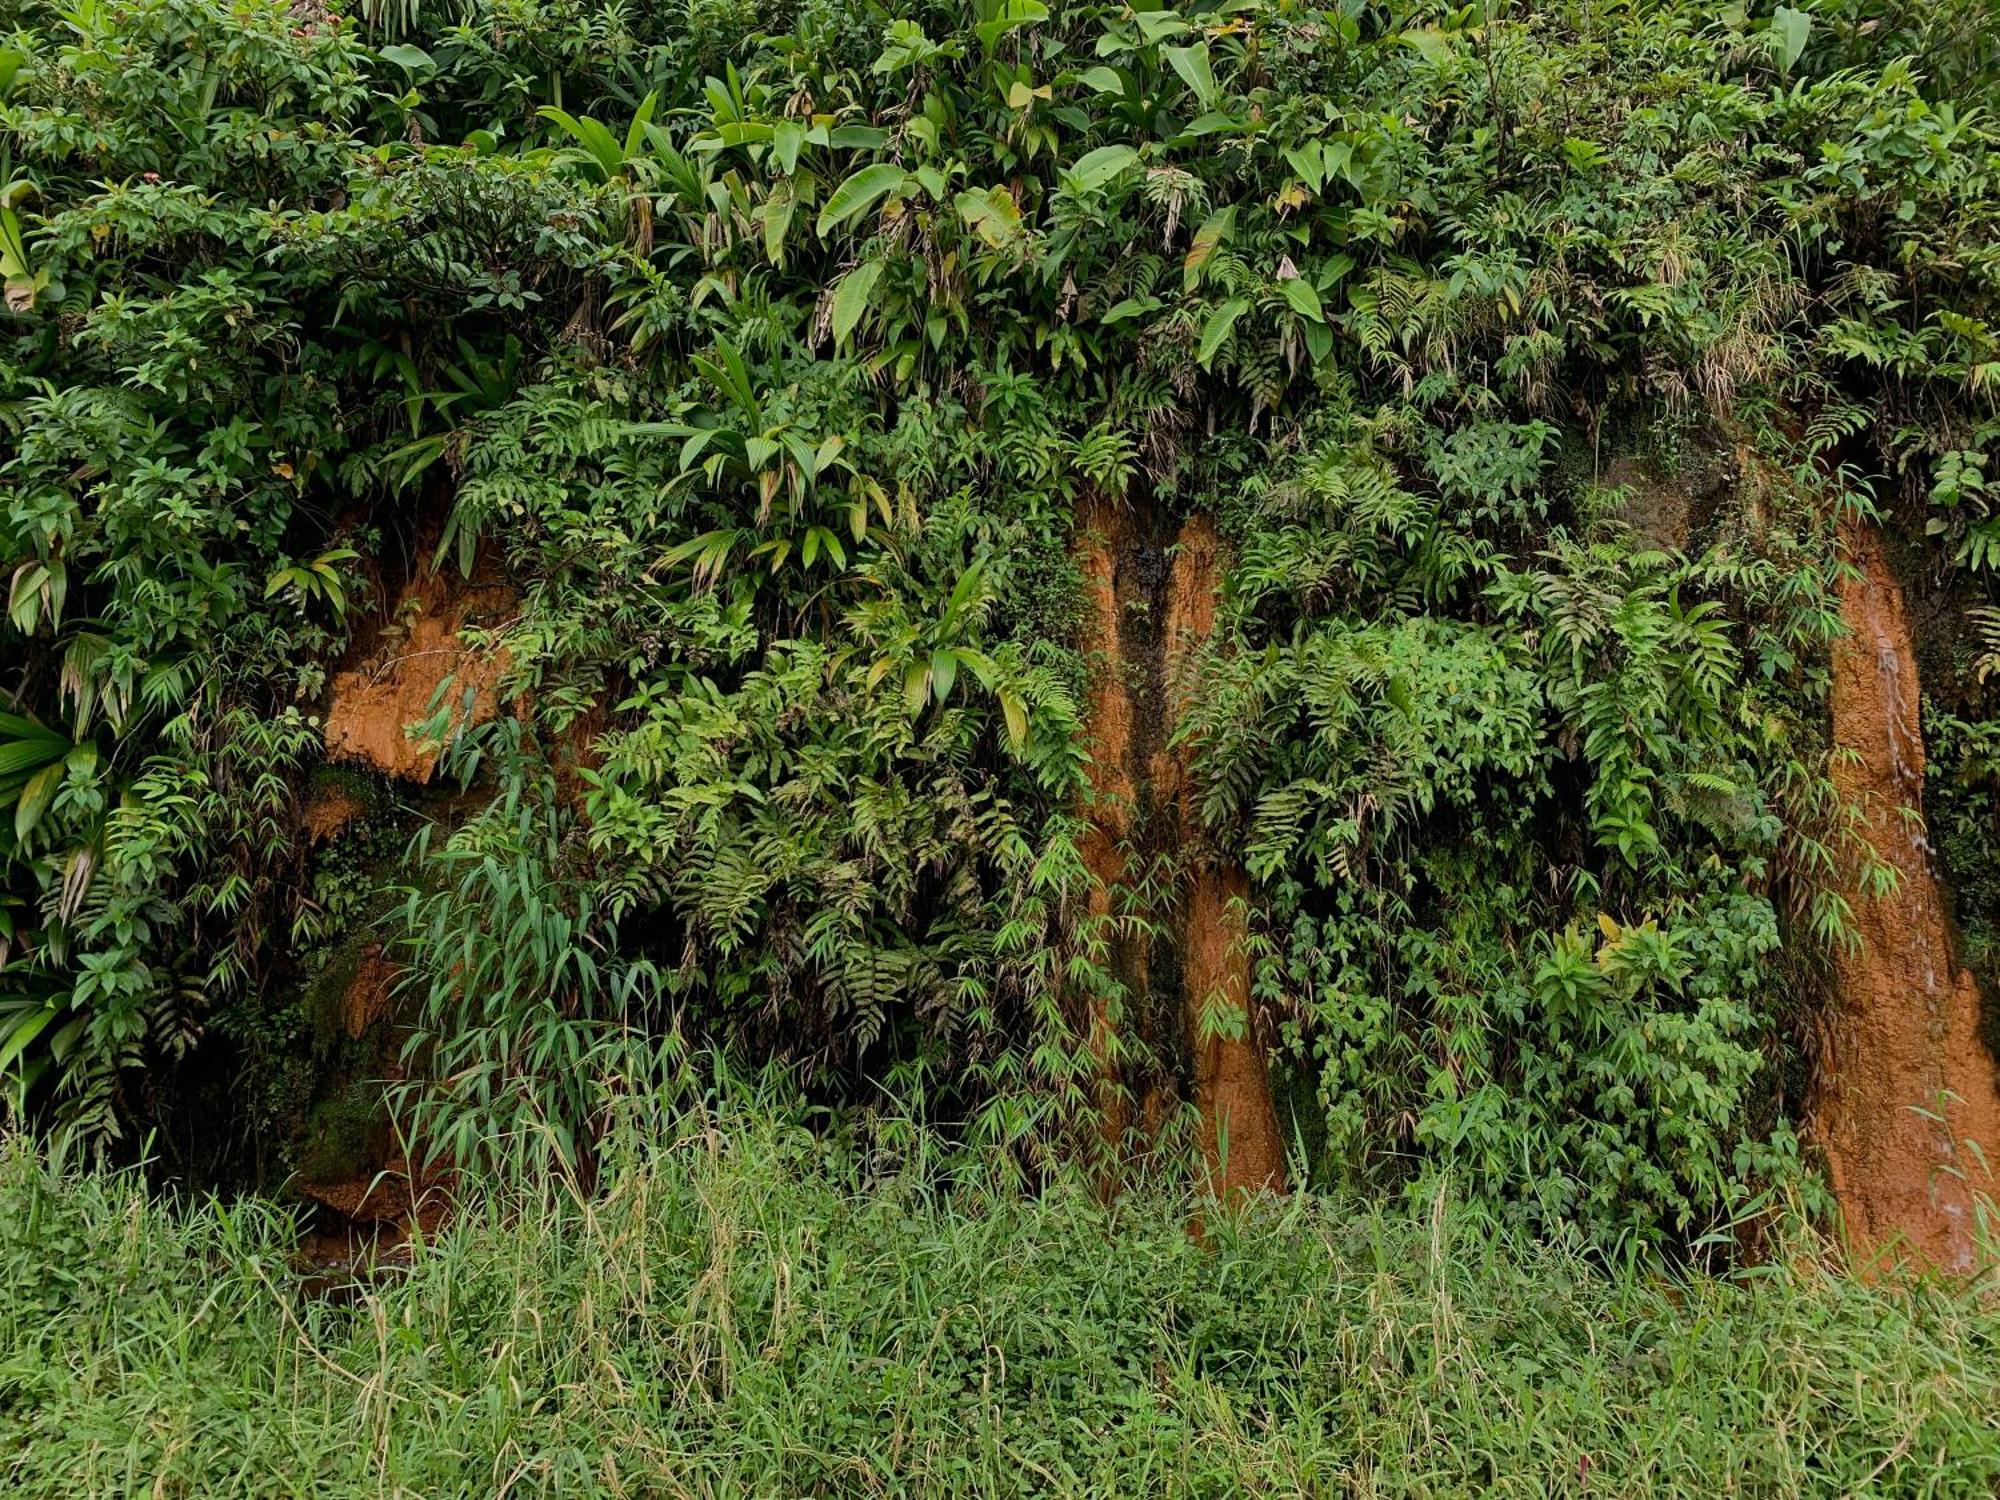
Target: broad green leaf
1300	293
1131	307
1095	168
598	143
850	298
992	215
944	673
1213	232
23	1031
1309	161
965	590
1790	28
777	214
1017	716
830	542
35	799
15	727
1011	16
859	193
17	756
1212	123
787	137
856	138
1433	45
635	133
1193	66
412	60
1217	328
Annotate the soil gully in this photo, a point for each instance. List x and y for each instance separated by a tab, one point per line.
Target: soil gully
393	673
1909	1089
1150	595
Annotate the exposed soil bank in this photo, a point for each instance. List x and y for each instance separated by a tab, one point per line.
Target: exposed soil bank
391	678
1173	908
1909	1090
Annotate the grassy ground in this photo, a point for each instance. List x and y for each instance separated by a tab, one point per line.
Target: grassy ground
742	1316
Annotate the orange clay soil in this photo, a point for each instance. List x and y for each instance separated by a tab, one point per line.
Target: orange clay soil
1150	600
1908	1085
370	993
329	813
392	677
1112	796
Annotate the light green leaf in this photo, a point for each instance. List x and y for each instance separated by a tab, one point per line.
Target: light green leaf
992	215
598	142
1011	16
1212	123
1095	168
1300	293
35	799
944	673
1790	28
787	137
1213	232
412	60
856	138
1309	161
1017	716
850	298
1193	66
1433	45
859	193
1217	328
635	133
777	213
1131	307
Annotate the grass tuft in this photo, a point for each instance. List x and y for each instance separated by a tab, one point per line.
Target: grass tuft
748	1311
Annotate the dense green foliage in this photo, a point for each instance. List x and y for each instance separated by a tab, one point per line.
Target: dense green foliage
767	350
753	1312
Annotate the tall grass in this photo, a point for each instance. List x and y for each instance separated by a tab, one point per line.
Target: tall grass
746	1310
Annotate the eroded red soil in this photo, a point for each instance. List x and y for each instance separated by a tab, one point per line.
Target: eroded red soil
1909	1101
392	678
1150	599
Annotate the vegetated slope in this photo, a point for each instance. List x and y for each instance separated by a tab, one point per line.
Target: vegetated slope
780	362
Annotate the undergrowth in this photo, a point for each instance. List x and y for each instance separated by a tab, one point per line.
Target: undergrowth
750	1309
